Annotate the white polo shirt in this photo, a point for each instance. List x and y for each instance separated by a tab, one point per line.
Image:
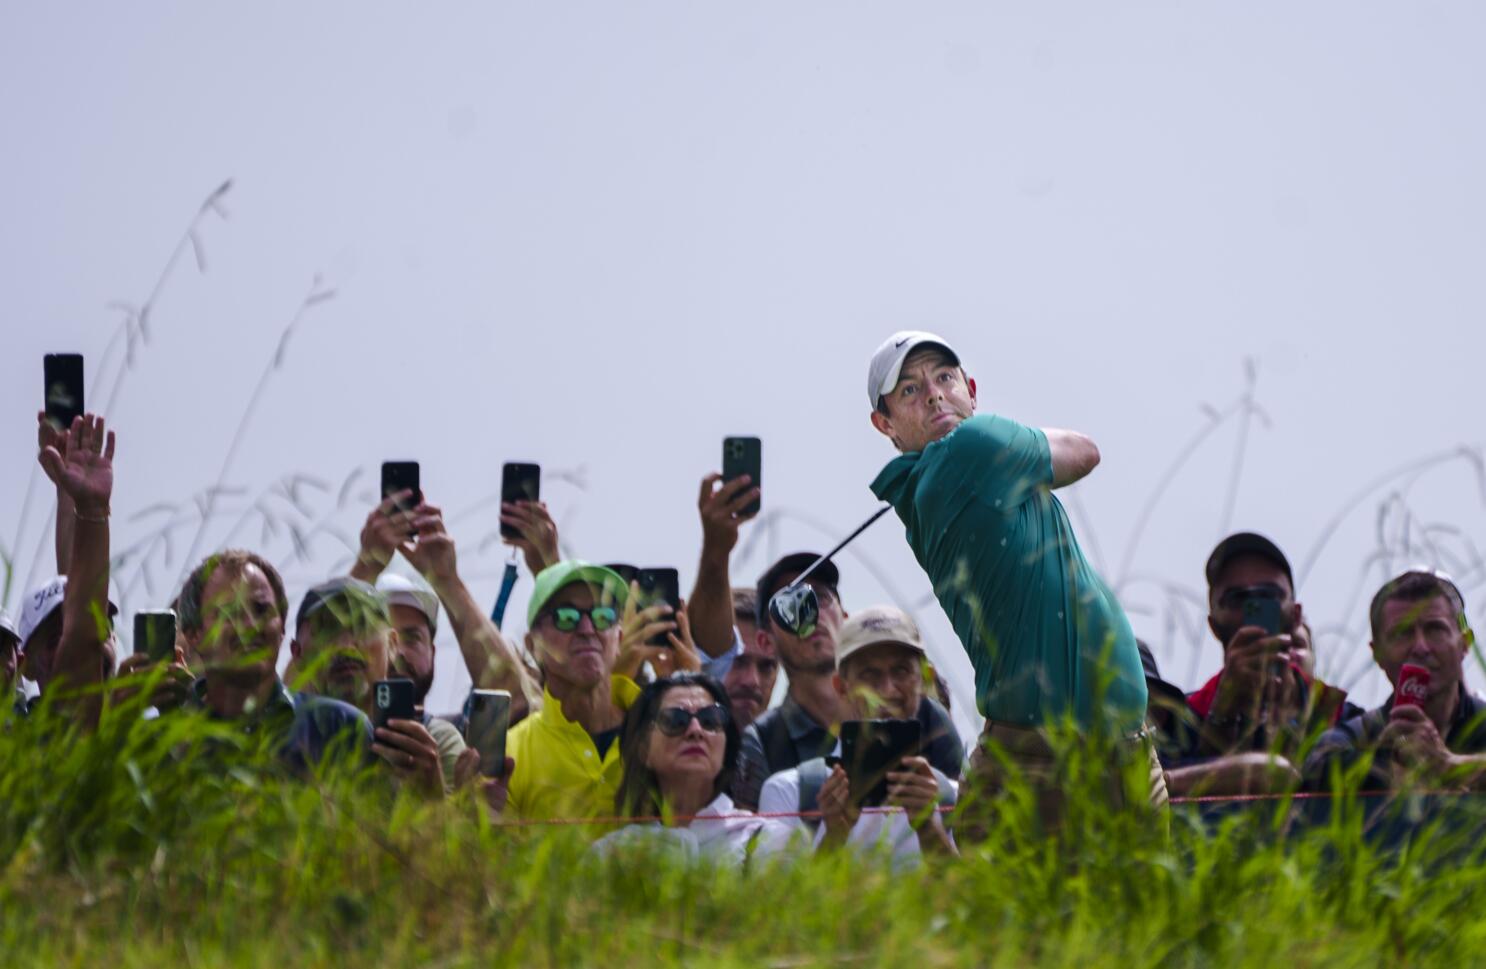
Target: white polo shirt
720	833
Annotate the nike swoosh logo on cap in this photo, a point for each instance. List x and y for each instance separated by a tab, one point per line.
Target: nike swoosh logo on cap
901	342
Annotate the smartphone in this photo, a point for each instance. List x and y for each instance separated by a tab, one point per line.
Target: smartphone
659	585
490	716
519	482
740	456
154	634
402	476
1266	613
392	700
871	748
63	374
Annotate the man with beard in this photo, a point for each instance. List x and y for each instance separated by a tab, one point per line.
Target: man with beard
343	644
419	535
1258	710
415	618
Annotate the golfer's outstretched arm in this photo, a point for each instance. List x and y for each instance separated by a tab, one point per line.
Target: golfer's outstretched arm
1074	455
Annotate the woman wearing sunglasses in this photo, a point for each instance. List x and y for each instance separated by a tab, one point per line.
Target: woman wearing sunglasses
679	747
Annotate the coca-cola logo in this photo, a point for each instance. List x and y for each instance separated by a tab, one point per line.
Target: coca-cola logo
1413	685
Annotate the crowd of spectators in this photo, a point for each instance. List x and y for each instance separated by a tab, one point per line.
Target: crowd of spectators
660	723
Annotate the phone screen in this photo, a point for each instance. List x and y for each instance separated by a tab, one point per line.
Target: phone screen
740	456
490	717
63	373
1264	612
519	482
400	476
154	634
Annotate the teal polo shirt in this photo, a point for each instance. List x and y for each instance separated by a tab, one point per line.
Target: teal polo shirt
1045	635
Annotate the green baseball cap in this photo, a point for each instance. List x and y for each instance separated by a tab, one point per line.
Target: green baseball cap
555	578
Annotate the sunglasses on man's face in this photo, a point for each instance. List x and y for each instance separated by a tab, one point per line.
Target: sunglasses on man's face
673	721
567	618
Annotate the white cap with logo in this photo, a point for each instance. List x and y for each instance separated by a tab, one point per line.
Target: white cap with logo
402	591
887	362
875	626
44	600
39	604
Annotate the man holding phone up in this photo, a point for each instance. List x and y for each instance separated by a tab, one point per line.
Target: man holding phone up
343	644
418	533
1047	638
1267	688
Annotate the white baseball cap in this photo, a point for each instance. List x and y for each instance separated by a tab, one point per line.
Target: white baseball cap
44	600
887	362
402	591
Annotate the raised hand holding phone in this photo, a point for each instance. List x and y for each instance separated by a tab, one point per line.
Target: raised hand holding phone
535	533
743	457
399	477
519	483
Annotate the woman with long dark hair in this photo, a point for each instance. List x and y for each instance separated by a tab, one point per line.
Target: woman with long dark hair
679	746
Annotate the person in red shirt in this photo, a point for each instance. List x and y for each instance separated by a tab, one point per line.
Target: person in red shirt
1266	699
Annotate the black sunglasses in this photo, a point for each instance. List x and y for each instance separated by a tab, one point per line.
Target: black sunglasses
673	721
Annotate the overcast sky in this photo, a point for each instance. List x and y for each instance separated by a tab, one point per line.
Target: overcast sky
602	236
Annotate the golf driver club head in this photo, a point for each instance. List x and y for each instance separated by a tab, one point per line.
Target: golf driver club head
795	608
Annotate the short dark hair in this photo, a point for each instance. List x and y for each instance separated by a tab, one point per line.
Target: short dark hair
745	606
237	561
639	791
1415	587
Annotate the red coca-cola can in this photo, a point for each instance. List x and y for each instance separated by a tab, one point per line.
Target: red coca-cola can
1413	686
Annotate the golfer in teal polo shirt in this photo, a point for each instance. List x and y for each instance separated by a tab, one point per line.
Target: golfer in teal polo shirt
1046	636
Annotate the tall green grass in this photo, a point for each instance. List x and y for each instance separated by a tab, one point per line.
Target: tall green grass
178	842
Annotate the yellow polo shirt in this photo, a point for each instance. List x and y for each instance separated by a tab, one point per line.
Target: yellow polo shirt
559	773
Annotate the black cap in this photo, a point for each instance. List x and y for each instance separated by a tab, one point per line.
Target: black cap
773	579
1245	543
348	599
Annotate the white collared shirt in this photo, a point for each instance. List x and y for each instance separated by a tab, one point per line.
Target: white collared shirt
719	833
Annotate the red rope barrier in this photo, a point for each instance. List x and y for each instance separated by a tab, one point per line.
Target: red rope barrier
782	815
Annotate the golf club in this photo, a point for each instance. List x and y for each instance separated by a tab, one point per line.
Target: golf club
796	607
